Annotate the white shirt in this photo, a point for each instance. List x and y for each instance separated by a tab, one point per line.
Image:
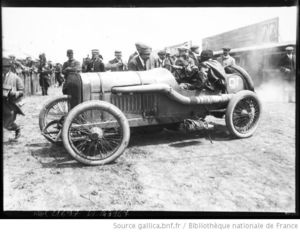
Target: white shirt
227	60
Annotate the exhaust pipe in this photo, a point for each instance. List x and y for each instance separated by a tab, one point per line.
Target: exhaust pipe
173	94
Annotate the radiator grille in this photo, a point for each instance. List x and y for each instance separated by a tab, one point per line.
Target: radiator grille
136	103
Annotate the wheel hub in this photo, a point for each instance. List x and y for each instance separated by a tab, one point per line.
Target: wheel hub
244	112
96	133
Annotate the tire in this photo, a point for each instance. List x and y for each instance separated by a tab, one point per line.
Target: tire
93	144
242	114
245	75
62	104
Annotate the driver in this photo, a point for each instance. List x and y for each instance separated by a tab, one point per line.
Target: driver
185	69
211	72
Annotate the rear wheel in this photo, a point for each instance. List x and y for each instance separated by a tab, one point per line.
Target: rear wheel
95	132
52	131
242	114
54	110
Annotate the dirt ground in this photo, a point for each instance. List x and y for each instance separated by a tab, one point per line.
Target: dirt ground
169	170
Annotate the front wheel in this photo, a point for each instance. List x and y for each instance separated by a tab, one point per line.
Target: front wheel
242	114
95	132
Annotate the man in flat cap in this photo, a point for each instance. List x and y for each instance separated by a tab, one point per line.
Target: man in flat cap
96	64
143	61
194	54
72	85
116	65
288	69
226	59
13	90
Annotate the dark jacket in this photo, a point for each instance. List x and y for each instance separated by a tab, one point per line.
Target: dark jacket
45	72
288	67
96	65
73	67
131	56
135	64
184	74
114	66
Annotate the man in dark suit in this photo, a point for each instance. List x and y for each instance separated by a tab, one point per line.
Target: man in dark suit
72	85
96	64
288	68
288	64
143	61
116	65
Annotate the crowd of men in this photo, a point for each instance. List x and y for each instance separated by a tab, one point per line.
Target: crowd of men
191	69
184	65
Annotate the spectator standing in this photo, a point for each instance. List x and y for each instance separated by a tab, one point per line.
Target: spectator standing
44	73
226	59
72	85
58	74
116	65
143	61
86	63
96	64
288	68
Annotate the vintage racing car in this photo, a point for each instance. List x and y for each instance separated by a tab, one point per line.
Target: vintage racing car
97	131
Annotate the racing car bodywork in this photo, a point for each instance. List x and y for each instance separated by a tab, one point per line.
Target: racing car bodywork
97	130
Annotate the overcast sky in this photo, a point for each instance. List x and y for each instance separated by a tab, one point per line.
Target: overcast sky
30	31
